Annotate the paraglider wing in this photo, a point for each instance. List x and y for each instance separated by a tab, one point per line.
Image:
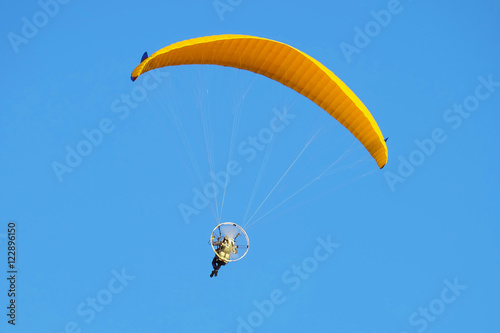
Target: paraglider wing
284	64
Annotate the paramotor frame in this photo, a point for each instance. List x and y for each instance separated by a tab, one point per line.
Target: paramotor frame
235	235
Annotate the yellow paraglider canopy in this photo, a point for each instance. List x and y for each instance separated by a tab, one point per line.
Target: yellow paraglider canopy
286	65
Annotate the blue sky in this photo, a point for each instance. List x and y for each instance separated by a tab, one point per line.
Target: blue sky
97	170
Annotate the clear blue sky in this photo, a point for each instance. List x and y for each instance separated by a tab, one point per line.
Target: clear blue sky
102	245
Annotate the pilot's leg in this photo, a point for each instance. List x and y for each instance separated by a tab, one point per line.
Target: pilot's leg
214	265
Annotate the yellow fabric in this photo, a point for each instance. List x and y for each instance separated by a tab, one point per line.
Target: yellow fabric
286	65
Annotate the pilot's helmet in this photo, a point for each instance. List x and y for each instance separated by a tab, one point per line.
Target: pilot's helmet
228	240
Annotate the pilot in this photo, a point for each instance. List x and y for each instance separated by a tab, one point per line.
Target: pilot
224	249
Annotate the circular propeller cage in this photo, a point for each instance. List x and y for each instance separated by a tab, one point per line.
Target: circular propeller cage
234	235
